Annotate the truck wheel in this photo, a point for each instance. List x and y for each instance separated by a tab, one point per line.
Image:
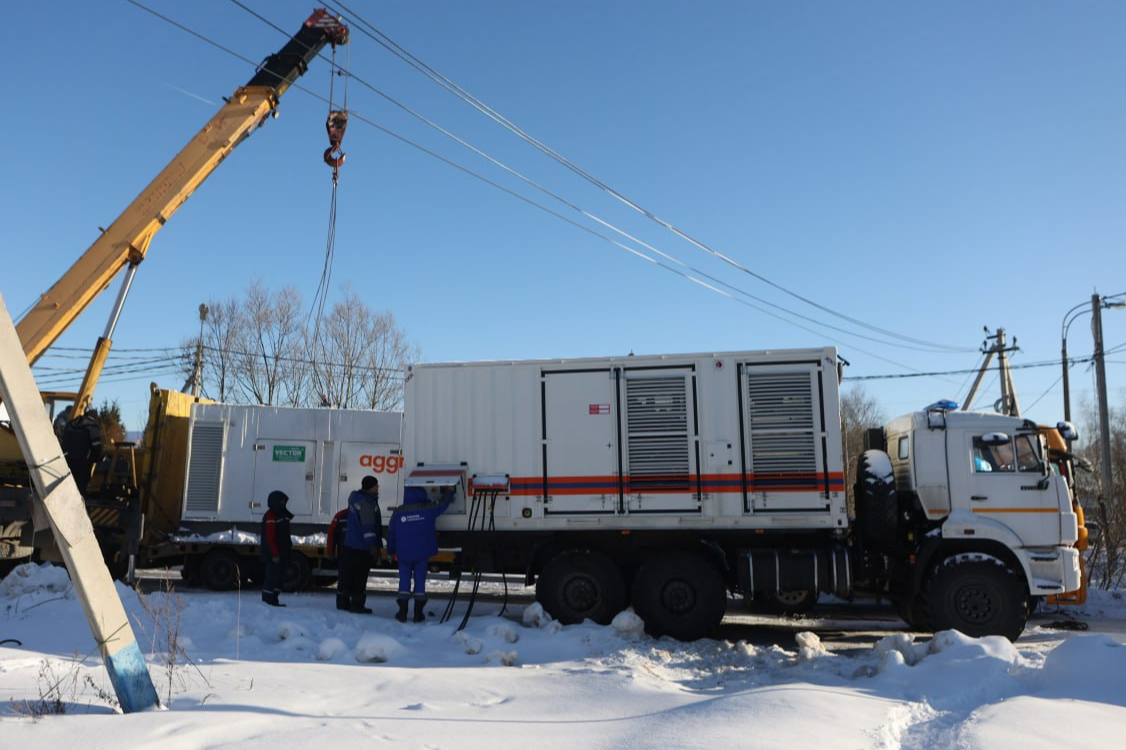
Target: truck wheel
679	595
978	595
581	584
298	574
877	505
219	570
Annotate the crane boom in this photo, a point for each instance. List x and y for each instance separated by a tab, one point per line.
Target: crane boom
127	239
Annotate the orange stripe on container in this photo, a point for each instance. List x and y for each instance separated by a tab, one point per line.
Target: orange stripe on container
1016	510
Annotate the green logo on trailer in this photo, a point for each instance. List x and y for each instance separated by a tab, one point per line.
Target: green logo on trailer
289	453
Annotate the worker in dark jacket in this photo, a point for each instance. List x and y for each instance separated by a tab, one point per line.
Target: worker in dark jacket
275	546
412	537
362	543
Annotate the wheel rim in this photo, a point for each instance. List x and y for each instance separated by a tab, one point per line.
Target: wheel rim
221	571
678	597
580	594
974	604
792	598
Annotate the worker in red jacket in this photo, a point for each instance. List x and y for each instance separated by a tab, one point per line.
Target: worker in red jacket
334	547
275	546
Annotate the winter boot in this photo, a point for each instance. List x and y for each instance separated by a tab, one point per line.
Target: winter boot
342	601
419	615
271	599
401	615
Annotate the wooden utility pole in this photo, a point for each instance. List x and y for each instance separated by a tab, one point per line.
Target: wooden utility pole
57	496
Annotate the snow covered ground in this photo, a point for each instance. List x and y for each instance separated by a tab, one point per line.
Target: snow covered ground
253	676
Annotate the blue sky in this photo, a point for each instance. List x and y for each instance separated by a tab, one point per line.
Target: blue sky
926	168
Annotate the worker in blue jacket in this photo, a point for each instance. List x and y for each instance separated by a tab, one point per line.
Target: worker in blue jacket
361	545
411	537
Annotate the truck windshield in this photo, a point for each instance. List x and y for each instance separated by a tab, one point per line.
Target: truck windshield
1028	455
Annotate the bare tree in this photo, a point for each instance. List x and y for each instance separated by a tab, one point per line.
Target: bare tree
222	331
272	333
1104	506
387	360
263	349
859	412
339	347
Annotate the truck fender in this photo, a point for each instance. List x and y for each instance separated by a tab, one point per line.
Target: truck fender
964	525
986	537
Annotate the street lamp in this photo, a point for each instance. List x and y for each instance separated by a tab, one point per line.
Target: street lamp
1096	304
1114	301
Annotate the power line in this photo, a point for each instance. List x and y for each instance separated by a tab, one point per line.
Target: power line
1026	366
590	216
477	104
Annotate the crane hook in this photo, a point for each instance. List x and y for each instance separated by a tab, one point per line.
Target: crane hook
336	124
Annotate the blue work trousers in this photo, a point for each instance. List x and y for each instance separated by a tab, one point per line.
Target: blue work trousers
416	571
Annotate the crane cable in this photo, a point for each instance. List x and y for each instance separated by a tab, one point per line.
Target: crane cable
335	125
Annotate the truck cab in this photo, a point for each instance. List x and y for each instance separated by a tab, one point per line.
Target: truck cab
980	486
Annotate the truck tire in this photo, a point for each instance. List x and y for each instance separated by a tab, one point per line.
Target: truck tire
978	595
877	505
298	575
581	584
679	595
220	570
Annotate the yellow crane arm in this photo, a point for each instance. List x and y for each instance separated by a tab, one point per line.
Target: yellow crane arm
127	239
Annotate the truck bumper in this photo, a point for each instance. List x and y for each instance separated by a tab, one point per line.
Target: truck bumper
1053	571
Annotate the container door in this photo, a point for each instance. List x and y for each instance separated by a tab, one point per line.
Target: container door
785	440
384	461
289	466
660	455
580	443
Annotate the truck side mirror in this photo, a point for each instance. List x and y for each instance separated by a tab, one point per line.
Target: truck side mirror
1067	431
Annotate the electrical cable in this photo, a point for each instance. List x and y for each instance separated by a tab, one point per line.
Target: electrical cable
1045	393
535	143
1027	366
593	217
580	226
602	222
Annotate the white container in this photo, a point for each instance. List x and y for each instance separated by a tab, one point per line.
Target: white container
735	439
237	455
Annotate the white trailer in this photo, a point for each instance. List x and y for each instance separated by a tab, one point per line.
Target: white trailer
666	481
237	455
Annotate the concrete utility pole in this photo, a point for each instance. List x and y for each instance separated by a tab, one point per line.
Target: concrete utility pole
57	496
1008	403
195	382
1100	384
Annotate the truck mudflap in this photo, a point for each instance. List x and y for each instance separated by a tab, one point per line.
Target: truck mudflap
827	571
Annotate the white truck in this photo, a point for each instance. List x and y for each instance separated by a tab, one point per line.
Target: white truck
665	482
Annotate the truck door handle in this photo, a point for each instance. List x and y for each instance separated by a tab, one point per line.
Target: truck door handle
979	497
